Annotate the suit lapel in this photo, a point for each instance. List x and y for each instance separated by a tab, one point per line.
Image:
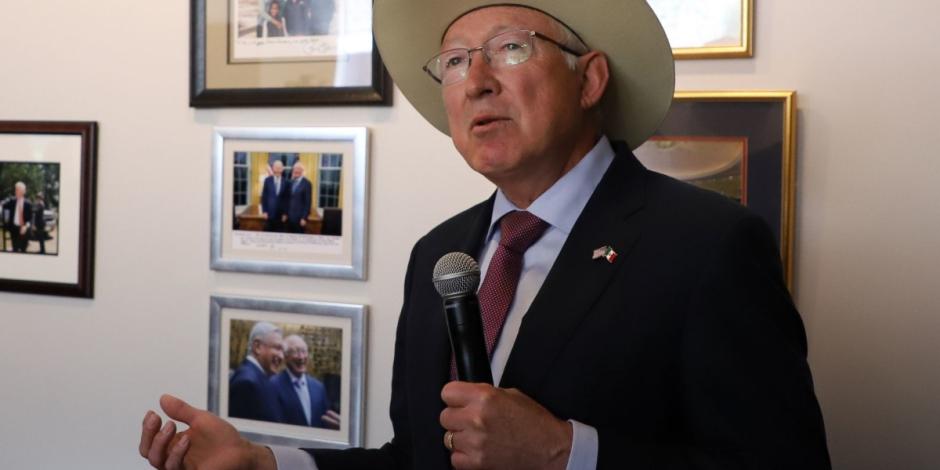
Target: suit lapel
576	280
429	345
471	243
287	386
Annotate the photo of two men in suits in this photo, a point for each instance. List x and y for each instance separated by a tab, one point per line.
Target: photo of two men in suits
273	193
286	202
274	382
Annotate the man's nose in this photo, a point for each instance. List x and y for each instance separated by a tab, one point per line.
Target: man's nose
480	79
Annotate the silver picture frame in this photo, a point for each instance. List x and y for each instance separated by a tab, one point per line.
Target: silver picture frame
350	318
353	143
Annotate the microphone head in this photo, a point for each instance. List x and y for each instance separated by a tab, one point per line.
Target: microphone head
456	274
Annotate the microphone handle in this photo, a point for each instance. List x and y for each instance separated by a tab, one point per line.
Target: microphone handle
465	328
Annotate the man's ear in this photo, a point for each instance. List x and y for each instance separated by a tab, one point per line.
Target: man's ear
594	77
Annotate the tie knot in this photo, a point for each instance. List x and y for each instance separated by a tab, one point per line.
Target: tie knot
520	229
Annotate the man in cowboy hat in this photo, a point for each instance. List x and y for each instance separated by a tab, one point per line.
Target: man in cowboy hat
632	321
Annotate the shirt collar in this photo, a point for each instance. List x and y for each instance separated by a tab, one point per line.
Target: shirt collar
293	378
563	202
257	364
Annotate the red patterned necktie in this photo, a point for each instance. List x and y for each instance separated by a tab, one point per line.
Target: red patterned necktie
519	230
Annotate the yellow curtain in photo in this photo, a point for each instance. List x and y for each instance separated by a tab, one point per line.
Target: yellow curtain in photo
258	164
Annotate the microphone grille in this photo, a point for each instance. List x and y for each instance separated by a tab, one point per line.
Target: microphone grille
456	274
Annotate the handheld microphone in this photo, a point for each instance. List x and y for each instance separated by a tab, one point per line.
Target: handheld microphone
456	278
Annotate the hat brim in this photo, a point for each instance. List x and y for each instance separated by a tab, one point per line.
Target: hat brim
642	70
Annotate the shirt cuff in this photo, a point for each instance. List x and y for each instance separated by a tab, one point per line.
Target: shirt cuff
289	458
584	443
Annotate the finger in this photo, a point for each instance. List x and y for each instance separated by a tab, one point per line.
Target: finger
463	461
149	429
451	419
174	459
157	452
178	409
458	394
330	419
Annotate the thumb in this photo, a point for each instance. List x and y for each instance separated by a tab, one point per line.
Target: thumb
178	409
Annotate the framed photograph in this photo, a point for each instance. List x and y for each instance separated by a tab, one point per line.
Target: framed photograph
288	372
290	201
47	207
739	144
707	29
285	53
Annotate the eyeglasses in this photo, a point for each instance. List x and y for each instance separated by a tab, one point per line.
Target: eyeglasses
503	50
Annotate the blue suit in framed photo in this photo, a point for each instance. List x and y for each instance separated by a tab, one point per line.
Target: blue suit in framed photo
293	411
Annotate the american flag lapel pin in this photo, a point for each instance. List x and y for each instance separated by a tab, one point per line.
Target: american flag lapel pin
607	252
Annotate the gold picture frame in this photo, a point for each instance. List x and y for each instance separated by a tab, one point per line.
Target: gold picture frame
708	29
765	121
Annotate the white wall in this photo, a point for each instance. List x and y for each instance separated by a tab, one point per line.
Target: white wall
78	375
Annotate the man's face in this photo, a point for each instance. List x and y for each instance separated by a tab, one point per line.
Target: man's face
278	168
19	191
297	356
297	172
509	121
269	351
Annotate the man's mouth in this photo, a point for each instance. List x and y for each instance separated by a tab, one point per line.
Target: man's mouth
486	122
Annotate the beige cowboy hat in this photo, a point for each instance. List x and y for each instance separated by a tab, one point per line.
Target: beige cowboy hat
642	81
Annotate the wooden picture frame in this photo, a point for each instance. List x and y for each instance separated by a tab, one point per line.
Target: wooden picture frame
54	162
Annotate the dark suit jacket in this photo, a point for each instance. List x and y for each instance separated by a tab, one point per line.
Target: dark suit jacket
292	412
685	352
300	199
296	17
251	395
39	222
10	211
272	203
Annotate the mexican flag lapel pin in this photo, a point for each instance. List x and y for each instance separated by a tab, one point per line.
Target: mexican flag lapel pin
607	252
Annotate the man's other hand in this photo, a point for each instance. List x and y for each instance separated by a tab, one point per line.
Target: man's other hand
210	443
331	419
498	428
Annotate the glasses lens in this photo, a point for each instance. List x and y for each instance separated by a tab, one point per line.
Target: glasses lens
449	66
510	48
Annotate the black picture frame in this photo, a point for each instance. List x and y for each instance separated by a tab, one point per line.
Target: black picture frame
87	175
377	93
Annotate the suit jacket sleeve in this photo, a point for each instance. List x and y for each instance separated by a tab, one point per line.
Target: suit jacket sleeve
266	189
244	400
395	454
746	392
307	199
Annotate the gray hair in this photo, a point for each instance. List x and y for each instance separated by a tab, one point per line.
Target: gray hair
296	338
20	185
259	331
571	41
